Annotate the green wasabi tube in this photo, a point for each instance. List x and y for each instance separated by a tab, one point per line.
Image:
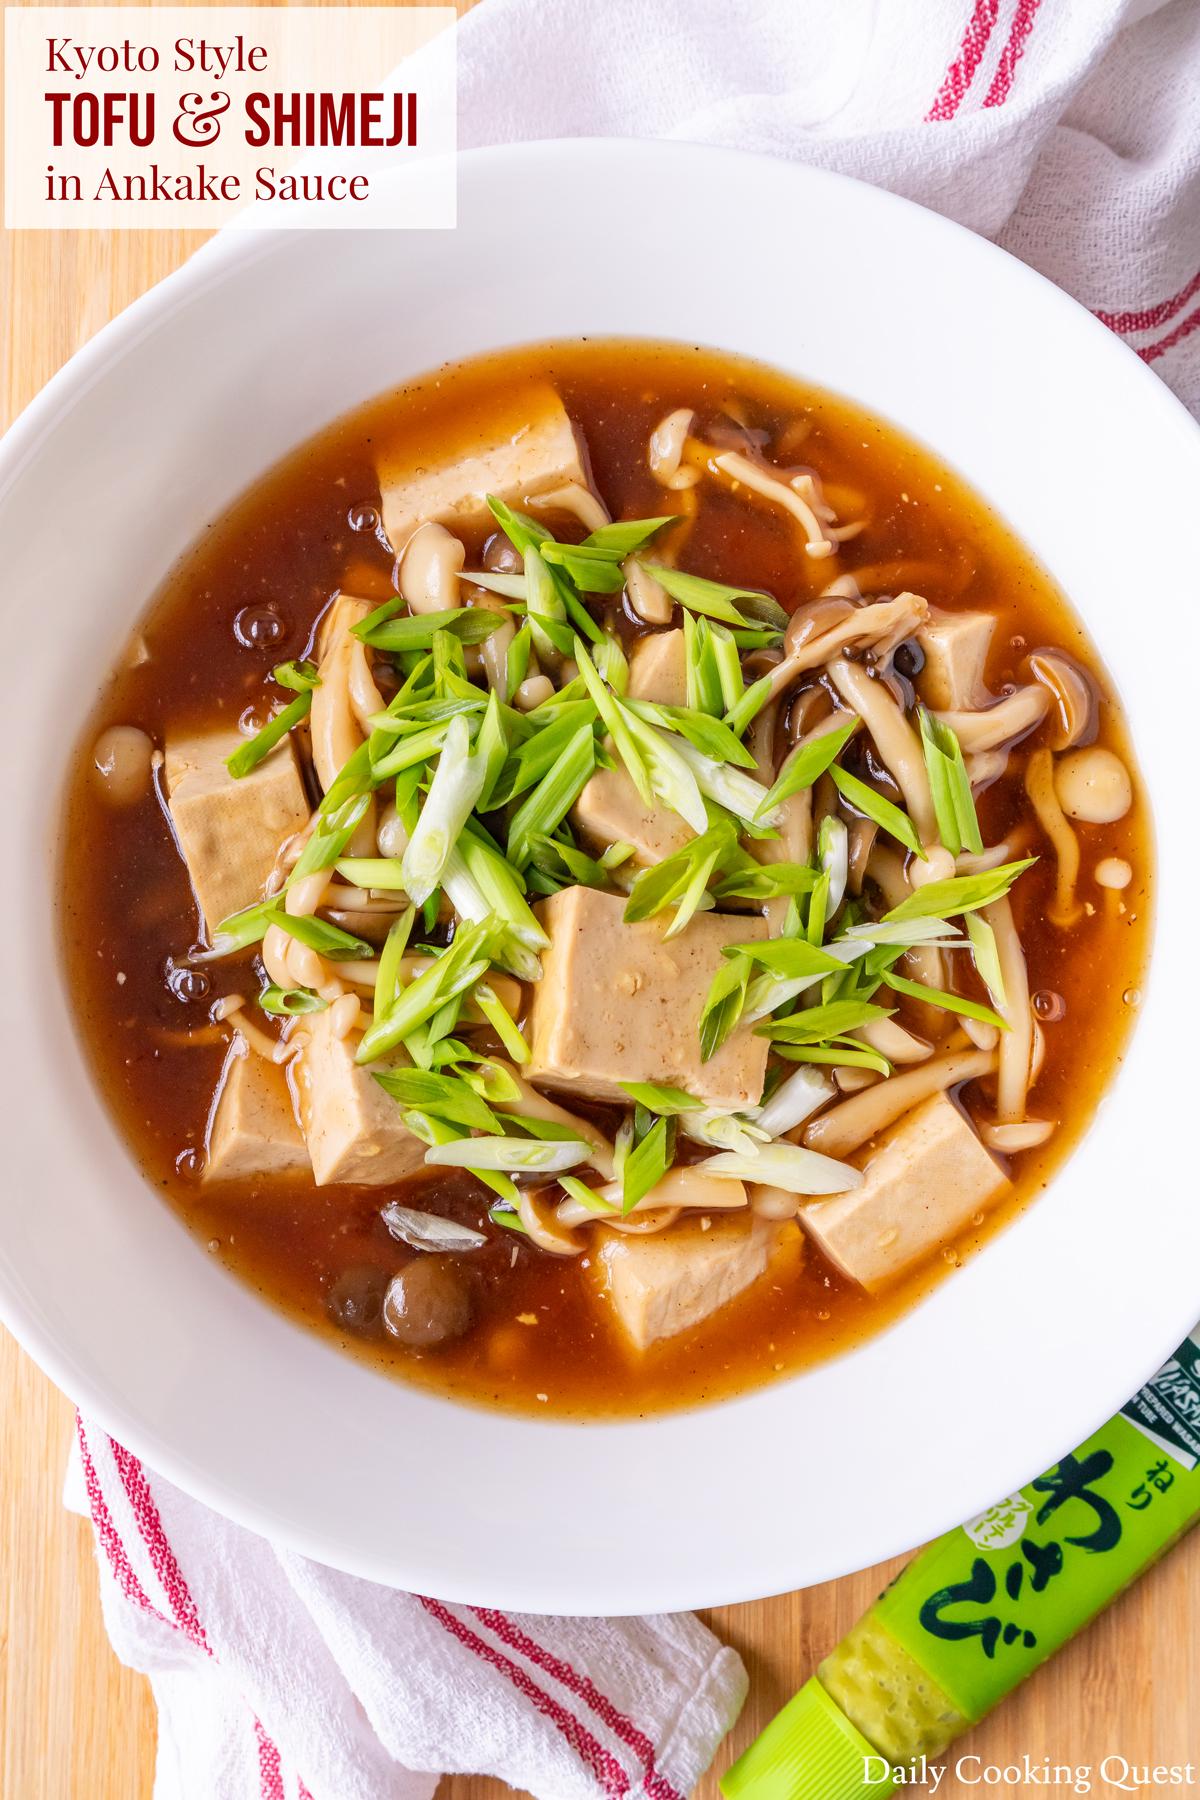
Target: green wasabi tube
981	1608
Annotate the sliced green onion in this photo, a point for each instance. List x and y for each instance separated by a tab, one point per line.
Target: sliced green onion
466	624
733	789
818	910
646	1163
320	935
444	1096
330	835
493	1081
300	677
959	894
793	1101
509	587
712	737
747	708
247	756
955	1003
617	722
808	762
833	851
705	692
881	812
418	748
537	755
383	872
659	1099
815	1024
724	1004
290	1003
789	958
950	786
912	934
547	805
545	610
516	661
449	975
592	571
502	1023
669	768
666	881
987	957
239	931
728	661
695	894
767	881
387	973
787	1166
500	1215
510	1155
586	1196
716	600
456	786
612	664
841	1057
624	536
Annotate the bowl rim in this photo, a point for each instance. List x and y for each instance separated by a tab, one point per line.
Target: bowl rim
224	259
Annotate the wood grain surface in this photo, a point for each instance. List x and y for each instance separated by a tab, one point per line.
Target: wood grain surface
73	1722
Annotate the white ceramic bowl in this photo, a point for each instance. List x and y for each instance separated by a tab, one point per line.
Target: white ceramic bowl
148	434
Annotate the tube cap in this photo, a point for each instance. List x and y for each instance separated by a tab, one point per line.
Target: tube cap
809	1751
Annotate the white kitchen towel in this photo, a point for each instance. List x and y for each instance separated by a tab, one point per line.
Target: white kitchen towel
279	1679
1069	130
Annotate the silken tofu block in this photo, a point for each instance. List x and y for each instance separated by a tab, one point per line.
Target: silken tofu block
529	450
252	1128
354	1131
658	669
610	810
925	1182
617	1003
956	646
660	1285
228	830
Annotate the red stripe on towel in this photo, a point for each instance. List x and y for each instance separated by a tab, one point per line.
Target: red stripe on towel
110	1538
270	1769
179	1595
1151	352
657	1786
961	73
162	1556
604	1766
1150	316
1012	53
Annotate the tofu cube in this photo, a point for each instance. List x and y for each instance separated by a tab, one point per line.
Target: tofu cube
956	646
252	1127
228	830
926	1180
617	1003
530	450
354	1131
660	1285
610	810
658	669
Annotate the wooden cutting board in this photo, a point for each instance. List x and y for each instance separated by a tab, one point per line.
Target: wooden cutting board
73	1722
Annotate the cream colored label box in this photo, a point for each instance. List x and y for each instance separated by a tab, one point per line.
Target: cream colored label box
284	117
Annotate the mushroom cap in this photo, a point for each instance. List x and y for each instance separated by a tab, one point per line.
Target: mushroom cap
1093	785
